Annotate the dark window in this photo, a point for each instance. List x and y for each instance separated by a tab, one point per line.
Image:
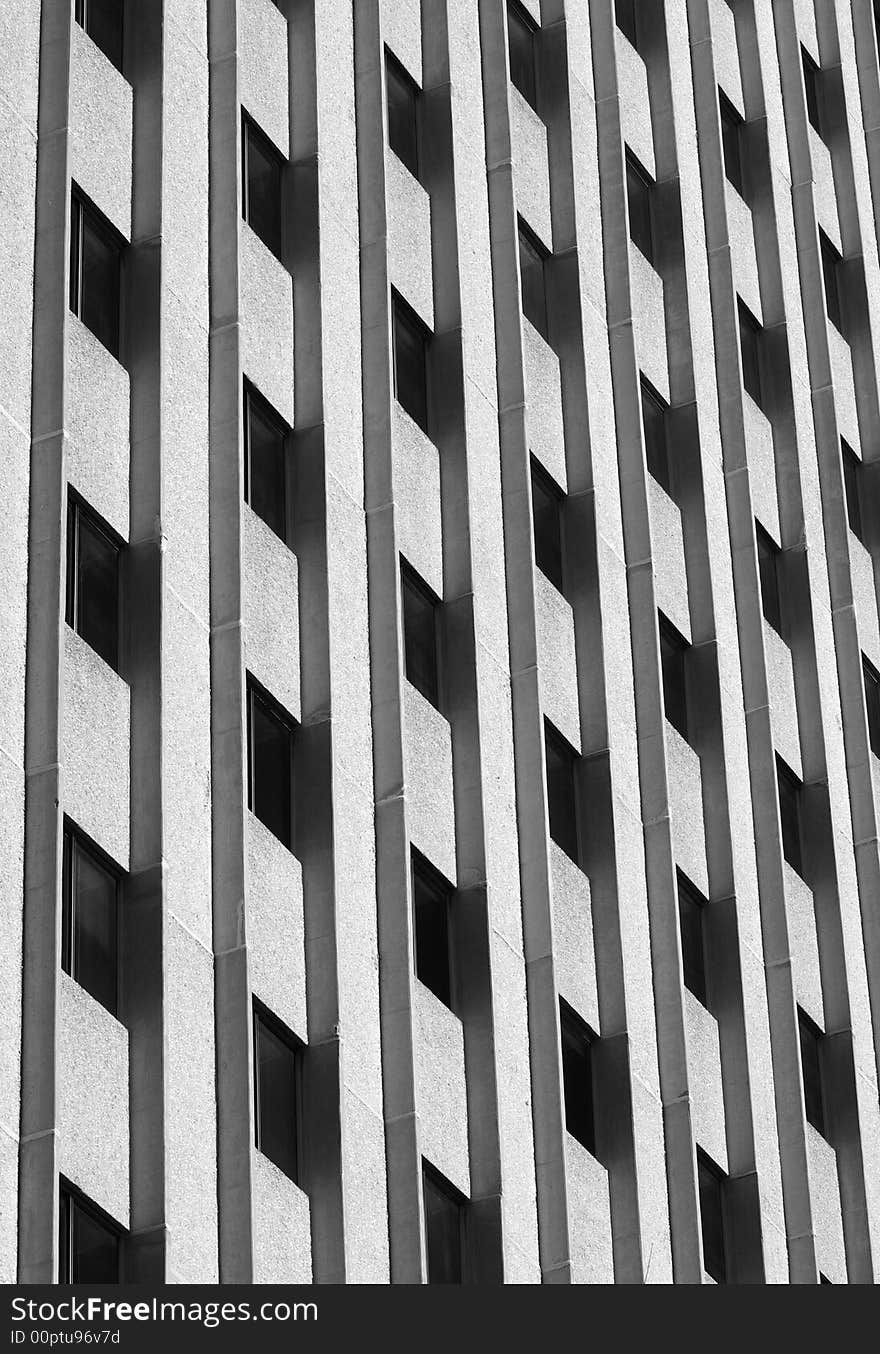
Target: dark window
731	141
102	20
420	608
691	911
270	765
410	339
521	29
90	921
625	15
711	1186
823	1278
93	560
831	266
852	483
812	91
431	901
872	704
768	572
673	660
577	1078
90	1246
639	187
561	793
790	815
654	411
532	259
276	1093
443	1228
547	519
95	273
403	114
261	179
265	470
750	351
811	1070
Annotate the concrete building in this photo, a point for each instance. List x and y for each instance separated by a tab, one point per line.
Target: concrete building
439	641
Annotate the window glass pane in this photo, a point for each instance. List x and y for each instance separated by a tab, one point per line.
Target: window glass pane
749	339
102	20
263	189
266	456
831	261
693	955
625	16
276	1098
638	194
561	798
789	815
420	637
410	366
731	125
91	925
534	292
656	446
521	39
96	286
403	133
712	1220
852	473
431	915
97	588
442	1232
577	1082
546	510
812	1072
811	91
271	766
872	702
673	651
89	1248
768	557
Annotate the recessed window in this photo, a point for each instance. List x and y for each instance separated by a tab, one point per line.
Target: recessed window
750	336
431	897
265	454
790	793
403	114
577	1078
639	190
410	340
561	791
444	1228
768	573
270	764
711	1181
420	620
691	912
626	18
832	263
261	180
812	91
532	263
654	422
731	142
90	891
852	483
811	1070
90	1245
95	272
93	569
521	31
547	519
673	661
872	704
102	20
276	1092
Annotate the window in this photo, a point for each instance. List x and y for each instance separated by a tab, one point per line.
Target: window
750	351
812	91
403	114
577	1078
443	1228
811	1070
420	608
691	912
790	815
831	266
768	573
276	1092
270	764
265	462
90	1245
654	411
711	1188
90	890
261	180
673	661
102	20
547	521
521	30
93	560
731	143
872	704
532	258
852	483
625	15
431	901
95	272
410	340
639	187
561	794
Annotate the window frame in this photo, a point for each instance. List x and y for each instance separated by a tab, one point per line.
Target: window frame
410	579
554	495
424	872
815	1100
872	704
769	555
626	18
255	691
812	81
555	740
732	125
517	14
635	172
68	1195
261	1015
708	1169
752	371
83	209
697	985
77	509
73	839
852	466
530	246
676	644
832	288
81	14
785	776
252	398
649	397
403	316
395	68
445	1188
252	131
573	1029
